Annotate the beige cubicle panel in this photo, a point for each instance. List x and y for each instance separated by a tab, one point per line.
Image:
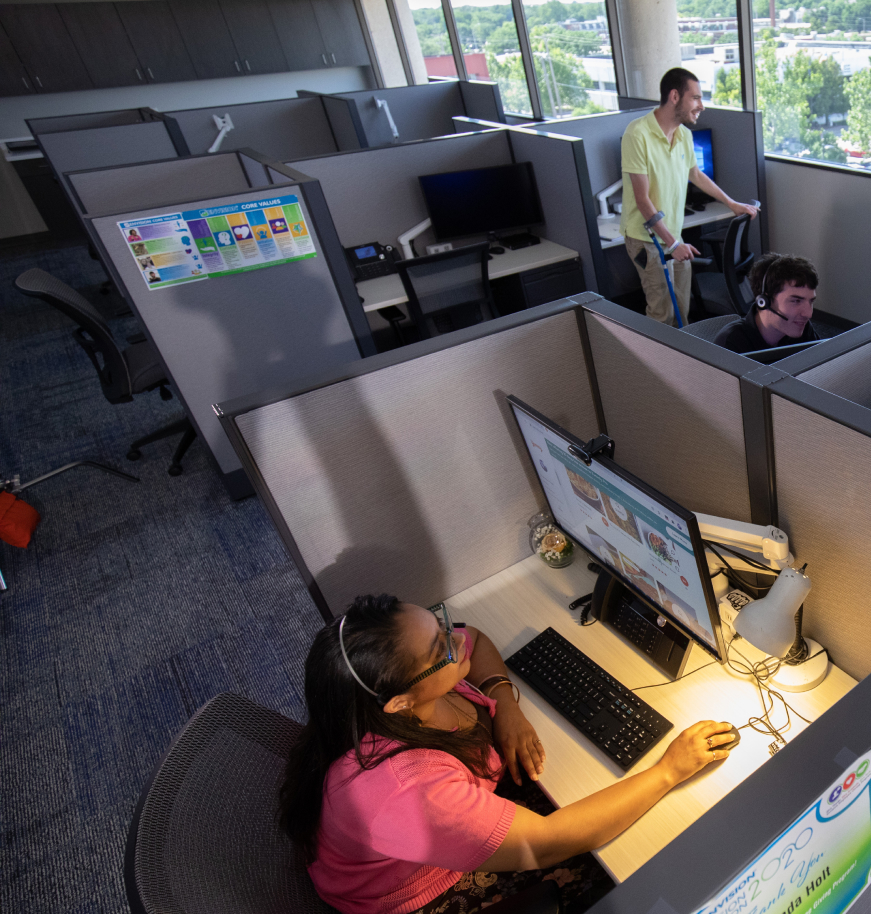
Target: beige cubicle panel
406	474
673	405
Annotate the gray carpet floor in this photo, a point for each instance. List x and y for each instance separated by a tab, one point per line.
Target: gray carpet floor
133	604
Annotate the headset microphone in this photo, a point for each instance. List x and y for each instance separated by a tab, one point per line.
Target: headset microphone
763	299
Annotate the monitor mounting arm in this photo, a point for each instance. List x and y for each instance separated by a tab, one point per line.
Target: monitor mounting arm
599	445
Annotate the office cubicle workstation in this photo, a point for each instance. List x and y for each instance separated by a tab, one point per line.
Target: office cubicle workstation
374	195
405	473
239	284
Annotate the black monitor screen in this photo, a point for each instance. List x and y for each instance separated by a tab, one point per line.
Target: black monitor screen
482	200
641	536
704	149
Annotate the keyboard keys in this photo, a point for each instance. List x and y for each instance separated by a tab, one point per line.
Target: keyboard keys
621	724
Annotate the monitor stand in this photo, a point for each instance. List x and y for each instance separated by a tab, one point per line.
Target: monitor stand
650	633
495	247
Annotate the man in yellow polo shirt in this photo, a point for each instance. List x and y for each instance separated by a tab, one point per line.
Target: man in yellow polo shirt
658	159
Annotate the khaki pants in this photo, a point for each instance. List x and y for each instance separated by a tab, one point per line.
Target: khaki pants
659	305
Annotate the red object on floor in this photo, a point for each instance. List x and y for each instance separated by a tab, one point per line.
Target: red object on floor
18	520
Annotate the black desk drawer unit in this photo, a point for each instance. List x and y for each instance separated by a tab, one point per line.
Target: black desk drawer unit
539	286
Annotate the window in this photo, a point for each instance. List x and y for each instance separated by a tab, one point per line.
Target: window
571	50
813	82
432	35
709	48
491	50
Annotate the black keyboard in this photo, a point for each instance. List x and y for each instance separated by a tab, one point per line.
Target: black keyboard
603	709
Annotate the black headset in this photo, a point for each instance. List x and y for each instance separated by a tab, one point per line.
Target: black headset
763	299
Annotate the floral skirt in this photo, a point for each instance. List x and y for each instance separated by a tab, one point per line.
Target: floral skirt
581	879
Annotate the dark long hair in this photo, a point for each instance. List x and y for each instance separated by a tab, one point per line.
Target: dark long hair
341	713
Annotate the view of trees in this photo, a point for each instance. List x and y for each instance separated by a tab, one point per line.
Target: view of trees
557	51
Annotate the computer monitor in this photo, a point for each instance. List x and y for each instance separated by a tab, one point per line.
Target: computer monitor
636	533
482	200
704	149
776	353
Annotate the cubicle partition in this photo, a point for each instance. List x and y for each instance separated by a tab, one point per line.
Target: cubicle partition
63	122
261	310
283	129
422	112
373	194
405	471
95	192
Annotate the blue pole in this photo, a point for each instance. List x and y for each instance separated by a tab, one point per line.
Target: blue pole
668	280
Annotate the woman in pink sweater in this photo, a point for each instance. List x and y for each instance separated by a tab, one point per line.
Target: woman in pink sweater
391	789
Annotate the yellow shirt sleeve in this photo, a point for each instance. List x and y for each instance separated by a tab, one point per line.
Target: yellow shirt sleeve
633	151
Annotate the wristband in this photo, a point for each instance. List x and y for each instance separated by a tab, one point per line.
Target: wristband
675	246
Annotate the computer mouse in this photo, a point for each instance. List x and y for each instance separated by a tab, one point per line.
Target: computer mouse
730	746
497	249
699	207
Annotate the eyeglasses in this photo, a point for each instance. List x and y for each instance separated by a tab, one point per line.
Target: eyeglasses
447	626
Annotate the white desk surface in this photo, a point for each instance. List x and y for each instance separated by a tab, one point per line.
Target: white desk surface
388	290
516	604
609	229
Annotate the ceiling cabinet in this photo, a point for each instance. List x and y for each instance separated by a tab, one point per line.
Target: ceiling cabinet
47	47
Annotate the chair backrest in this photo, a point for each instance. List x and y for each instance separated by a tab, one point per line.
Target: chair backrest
446	280
708	329
737	260
205	837
93	333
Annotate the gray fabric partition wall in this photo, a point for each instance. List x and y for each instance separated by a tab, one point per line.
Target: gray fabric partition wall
127	187
601	134
73	150
482	100
561	175
419	112
227	336
374	195
84	121
282	129
404	473
673	405
822	450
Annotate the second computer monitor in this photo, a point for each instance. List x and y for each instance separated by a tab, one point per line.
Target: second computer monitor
703	146
641	536
482	200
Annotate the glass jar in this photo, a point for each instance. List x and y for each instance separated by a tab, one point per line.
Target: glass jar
548	542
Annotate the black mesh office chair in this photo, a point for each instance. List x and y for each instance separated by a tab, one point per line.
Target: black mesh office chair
708	329
122	372
728	292
205	837
449	290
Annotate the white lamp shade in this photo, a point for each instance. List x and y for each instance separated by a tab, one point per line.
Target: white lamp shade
769	623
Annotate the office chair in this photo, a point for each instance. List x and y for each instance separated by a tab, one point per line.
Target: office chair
727	292
445	290
122	372
708	329
205	837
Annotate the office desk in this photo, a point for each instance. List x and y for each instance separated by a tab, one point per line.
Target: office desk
388	290
516	604
609	229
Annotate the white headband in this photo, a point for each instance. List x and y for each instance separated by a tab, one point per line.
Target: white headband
348	662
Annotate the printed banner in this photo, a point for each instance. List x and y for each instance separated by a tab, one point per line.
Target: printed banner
820	864
218	241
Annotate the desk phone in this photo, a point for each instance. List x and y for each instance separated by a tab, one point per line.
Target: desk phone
371	260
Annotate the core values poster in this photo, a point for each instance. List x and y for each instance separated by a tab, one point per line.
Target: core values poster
205	243
820	864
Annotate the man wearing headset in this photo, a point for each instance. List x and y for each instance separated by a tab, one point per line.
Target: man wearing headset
783	287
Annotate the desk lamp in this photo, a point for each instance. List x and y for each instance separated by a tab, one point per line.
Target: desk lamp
771	626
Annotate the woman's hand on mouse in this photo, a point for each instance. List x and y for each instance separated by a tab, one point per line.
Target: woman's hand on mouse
698	745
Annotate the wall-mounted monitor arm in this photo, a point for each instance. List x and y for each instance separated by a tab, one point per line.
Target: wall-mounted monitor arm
382	104
406	238
224	125
602	197
767	545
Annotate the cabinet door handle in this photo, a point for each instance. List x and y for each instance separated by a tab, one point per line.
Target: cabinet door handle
333	56
38	82
138	75
150	74
324	57
237	65
247	66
